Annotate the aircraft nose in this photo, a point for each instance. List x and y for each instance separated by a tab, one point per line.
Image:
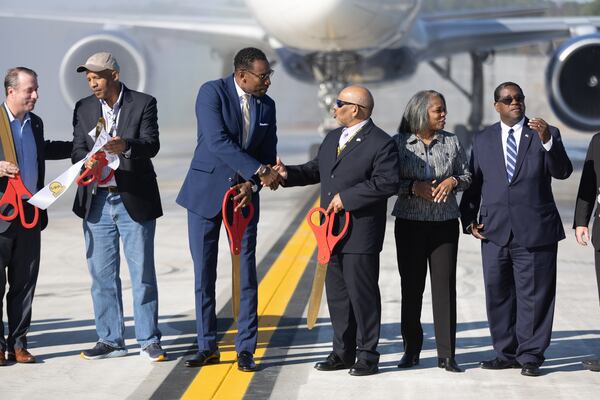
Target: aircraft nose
334	25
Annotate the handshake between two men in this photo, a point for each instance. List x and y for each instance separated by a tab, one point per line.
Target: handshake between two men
273	177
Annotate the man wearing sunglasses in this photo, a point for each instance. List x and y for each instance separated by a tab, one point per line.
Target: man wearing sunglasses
512	165
236	142
357	166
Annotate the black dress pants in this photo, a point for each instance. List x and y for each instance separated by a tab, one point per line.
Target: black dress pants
354	305
417	244
19	266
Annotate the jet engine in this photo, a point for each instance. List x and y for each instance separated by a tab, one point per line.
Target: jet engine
127	52
573	82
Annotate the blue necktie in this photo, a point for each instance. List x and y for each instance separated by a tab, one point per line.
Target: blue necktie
511	154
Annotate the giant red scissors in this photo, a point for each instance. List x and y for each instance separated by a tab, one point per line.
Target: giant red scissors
235	230
95	173
326	242
13	197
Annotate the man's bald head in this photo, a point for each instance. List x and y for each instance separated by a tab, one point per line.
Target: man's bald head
358	95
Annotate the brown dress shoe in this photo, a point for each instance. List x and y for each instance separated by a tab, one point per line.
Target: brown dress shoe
21	356
2	359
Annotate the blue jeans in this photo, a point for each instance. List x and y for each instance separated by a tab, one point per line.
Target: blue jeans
107	221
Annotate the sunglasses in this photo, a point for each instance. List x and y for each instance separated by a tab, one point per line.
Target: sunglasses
509	99
262	77
341	103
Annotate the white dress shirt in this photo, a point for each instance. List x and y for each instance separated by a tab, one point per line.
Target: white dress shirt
349	132
517	131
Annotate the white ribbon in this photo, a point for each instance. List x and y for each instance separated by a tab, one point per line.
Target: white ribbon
57	187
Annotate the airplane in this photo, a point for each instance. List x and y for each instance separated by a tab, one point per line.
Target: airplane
332	43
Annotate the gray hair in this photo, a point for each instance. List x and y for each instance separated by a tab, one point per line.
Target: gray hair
12	77
415	118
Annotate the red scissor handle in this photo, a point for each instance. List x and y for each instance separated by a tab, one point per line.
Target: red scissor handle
95	173
237	226
13	196
326	240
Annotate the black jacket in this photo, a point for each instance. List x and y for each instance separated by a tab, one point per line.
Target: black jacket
46	150
365	174
588	192
135	177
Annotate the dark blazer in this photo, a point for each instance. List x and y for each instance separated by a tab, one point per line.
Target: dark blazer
46	150
525	206
365	175
587	195
219	161
135	177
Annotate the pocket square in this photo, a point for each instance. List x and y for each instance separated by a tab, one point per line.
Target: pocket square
263	124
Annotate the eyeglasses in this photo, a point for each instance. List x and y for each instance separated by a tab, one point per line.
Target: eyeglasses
262	77
509	99
341	103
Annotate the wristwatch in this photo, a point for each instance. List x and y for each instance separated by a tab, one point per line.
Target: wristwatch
254	187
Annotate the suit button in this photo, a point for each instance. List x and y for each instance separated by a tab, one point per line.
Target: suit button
229	179
332	176
328	193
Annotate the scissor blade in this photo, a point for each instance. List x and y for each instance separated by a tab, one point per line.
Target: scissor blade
235	285
316	293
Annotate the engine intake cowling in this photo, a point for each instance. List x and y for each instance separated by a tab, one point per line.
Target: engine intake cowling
573	82
132	63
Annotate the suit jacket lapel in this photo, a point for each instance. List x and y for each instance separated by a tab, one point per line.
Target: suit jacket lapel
255	108
497	149
331	150
36	128
524	142
234	103
355	142
126	104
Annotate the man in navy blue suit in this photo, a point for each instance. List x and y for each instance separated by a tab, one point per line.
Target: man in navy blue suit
236	144
513	163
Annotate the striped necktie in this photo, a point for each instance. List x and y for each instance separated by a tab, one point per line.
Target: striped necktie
511	155
246	117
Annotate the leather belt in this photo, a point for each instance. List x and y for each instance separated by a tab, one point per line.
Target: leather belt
109	189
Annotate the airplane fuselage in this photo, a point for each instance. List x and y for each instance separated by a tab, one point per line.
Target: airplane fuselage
335	25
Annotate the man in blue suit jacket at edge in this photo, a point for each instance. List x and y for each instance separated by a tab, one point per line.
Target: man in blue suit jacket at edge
513	163
236	144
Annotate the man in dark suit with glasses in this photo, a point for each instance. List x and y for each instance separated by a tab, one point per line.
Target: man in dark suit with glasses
512	164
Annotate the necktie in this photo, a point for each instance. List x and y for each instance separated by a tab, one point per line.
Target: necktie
246	117
511	154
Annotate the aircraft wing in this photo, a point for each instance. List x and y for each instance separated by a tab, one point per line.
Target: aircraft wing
442	38
215	30
500	12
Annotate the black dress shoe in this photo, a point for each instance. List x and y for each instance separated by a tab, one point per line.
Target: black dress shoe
246	362
203	358
592	364
408	360
363	367
449	364
498	363
530	369
333	362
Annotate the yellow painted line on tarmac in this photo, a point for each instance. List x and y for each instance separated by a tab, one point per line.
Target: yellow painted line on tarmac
224	380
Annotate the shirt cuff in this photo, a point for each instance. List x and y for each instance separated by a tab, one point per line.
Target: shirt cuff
548	145
127	153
